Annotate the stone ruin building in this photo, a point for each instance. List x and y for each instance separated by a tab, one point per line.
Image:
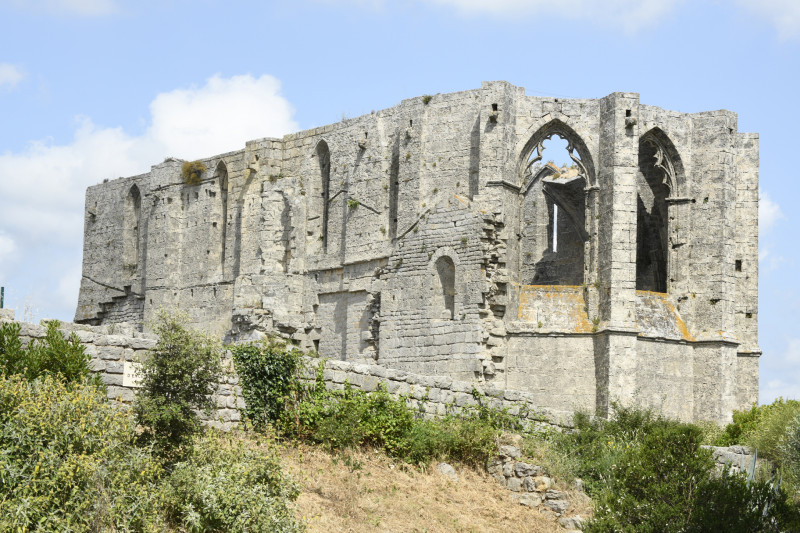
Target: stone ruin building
434	237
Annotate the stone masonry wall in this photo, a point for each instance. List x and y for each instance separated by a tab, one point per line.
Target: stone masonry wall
425	237
113	348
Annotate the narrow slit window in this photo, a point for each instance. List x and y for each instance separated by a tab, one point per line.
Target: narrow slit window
324	156
555	228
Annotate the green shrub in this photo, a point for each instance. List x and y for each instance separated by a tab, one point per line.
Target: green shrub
465	437
761	426
68	461
647	473
652	484
229	485
178	378
13	357
192	172
790	455
355	418
732	504
53	355
269	373
771	427
275	393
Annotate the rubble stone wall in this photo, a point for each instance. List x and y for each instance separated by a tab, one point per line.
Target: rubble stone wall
111	347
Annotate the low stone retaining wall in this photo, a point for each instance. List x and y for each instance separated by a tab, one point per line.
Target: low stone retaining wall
117	349
735	458
435	395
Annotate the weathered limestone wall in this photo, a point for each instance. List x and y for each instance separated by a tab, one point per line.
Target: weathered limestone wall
557	370
114	347
425	237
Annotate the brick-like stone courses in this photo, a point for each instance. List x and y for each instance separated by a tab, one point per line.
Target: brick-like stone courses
416	332
331	236
113	345
435	395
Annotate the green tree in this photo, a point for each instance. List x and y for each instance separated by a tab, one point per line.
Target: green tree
178	378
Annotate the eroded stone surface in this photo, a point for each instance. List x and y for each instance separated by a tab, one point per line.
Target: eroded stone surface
432	237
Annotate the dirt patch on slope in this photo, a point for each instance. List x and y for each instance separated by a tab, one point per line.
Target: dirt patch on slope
360	491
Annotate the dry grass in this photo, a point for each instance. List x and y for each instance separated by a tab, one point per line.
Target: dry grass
366	491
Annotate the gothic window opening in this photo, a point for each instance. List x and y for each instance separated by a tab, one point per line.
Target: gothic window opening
324	157
131	225
445	288
222	175
394	189
554	233
655	178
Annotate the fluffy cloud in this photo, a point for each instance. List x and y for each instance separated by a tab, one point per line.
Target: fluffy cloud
783	14
220	116
7	249
43	187
769	212
630	14
776	368
10	75
88	8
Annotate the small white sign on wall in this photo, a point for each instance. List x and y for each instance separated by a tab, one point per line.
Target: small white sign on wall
131	374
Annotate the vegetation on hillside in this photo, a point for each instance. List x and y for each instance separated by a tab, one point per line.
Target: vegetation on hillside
645	472
177	381
276	395
72	460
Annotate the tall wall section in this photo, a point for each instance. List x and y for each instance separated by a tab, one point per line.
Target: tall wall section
432	236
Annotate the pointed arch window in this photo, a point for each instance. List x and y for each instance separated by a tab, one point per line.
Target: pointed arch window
657	180
445	288
131	225
558	210
324	158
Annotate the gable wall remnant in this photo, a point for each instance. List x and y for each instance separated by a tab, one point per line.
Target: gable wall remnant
331	236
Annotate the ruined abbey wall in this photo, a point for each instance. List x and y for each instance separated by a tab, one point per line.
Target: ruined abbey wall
433	237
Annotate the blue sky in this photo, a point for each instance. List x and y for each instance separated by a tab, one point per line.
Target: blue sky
94	89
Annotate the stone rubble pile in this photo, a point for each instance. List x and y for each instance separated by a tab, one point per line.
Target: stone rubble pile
531	485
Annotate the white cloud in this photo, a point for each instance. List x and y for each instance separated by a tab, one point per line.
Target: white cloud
776	372
630	14
88	8
783	14
769	212
220	116
10	75
43	187
68	286
7	249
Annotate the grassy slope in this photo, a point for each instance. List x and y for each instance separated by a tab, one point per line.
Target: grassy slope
367	491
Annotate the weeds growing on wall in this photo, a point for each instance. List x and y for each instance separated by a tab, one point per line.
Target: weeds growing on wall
270	375
192	172
273	384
